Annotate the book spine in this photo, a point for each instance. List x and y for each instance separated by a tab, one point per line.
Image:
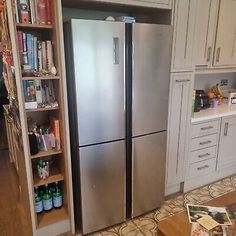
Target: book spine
31	91
41	12
38	90
49	55
20	44
29	50
48	12
25	54
24	11
40	56
16	11
57	134
35	52
36	11
25	91
32	11
44	55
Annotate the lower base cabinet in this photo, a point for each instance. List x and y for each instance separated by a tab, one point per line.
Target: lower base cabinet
227	146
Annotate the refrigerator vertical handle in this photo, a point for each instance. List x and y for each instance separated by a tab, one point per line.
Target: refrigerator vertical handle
116	50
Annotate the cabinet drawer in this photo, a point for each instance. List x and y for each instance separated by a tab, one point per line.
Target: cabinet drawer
205	128
203	154
204	142
202	168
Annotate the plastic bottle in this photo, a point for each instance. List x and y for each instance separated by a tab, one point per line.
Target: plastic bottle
57	197
38	201
47	199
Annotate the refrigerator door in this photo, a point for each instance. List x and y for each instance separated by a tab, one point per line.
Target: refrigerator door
102	169
149	159
98	51
151	76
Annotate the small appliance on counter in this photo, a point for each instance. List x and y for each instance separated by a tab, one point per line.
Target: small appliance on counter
230	94
201	101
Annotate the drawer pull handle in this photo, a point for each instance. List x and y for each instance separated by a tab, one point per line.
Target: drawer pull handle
206	142
203	167
207	127
226	129
204	155
182	81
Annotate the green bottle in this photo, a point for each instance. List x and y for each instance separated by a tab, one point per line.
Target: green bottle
47	199
57	196
38	201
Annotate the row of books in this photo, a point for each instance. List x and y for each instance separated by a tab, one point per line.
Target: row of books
39	94
33	11
34	52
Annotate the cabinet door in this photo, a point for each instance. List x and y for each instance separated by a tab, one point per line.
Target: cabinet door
184	18
205	27
227	147
225	51
179	126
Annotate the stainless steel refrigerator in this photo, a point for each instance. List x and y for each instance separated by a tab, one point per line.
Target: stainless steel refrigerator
118	88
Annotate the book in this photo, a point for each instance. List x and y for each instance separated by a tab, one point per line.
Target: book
40	56
38	91
44	55
20	44
32	11
55	126
41	7
16	11
49	58
48	12
24	11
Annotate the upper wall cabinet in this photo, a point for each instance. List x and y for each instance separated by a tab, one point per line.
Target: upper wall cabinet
184	20
164	4
215	34
205	27
225	51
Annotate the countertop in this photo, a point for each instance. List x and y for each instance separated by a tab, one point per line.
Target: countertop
213	113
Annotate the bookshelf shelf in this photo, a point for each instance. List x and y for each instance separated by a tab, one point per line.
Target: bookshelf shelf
33	26
53	216
46	153
42	109
41	77
55	176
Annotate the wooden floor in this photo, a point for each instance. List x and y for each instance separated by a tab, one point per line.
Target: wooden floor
12	220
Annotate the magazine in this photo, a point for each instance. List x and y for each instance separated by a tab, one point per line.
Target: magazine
219	214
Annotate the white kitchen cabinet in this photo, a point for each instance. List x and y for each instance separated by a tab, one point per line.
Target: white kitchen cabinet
184	20
225	45
165	4
205	29
227	145
178	127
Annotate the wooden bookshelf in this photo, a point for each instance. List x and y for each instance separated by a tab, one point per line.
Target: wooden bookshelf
46	153
55	176
41	77
55	215
44	223
33	26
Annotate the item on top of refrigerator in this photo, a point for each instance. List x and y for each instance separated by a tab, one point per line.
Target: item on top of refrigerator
127	19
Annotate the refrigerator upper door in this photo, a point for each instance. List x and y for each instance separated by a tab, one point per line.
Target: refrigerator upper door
151	76
149	158
102	169
98	48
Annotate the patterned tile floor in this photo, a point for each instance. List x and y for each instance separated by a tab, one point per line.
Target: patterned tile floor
147	224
